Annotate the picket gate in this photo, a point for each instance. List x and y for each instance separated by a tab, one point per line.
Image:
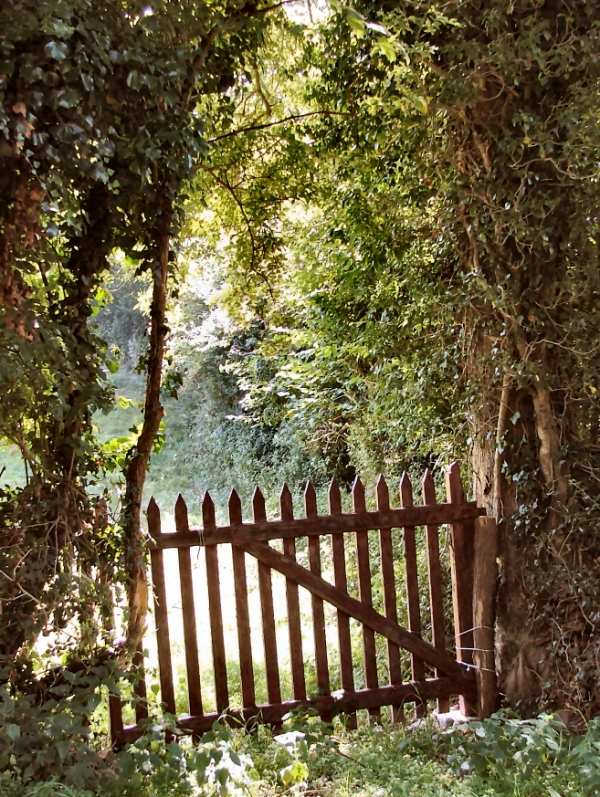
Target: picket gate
436	673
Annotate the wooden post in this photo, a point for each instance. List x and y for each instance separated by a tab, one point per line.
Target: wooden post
461	562
485	573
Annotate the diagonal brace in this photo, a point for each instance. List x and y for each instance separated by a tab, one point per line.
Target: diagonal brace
365	614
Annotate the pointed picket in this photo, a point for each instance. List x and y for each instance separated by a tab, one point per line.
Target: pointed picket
412	582
406	493
259	511
293	602
454	487
318	612
461	564
310	500
265	589
365	594
208	511
235	508
286	503
382	493
161	617
340	581
335	498
153	515
358	495
215	612
241	607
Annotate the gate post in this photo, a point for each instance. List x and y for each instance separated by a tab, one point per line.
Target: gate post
485	574
461	564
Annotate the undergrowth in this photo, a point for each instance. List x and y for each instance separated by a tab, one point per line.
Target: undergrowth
502	756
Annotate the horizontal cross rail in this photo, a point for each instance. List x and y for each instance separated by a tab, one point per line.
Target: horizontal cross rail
321	524
428	689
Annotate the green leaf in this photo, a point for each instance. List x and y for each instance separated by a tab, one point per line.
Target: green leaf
69	98
356	21
13	731
135	80
57	50
113	366
387	48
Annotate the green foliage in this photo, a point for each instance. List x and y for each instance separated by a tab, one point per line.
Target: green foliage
515	752
47	736
500	756
445	255
101	124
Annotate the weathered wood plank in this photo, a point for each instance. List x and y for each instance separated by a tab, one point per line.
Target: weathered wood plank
389	593
412	584
293	601
214	608
461	562
365	593
161	617
434	571
340	580
241	608
318	613
326	524
485	574
345	702
188	608
265	588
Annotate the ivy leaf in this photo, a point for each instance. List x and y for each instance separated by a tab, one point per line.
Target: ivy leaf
57	50
69	98
135	80
13	731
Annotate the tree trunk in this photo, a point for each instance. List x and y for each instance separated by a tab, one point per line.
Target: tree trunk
153	415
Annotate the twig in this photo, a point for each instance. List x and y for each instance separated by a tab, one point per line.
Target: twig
291	118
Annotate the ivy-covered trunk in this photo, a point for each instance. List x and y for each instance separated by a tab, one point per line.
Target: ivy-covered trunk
519	134
139	457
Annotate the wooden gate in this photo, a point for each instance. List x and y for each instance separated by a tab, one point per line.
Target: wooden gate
436	674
